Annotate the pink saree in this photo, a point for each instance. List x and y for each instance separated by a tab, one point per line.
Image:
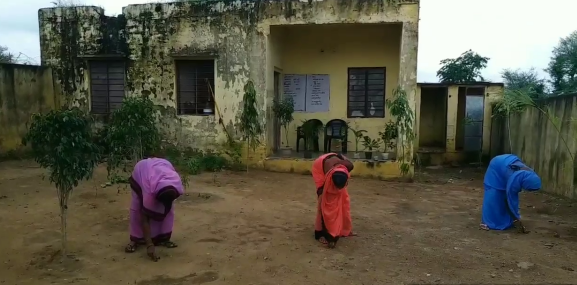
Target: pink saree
151	177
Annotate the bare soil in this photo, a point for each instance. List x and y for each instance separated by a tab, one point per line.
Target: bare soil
257	228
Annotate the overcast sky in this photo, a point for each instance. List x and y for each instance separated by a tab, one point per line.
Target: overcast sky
513	33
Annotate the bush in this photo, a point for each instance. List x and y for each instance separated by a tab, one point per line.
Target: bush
131	134
194	161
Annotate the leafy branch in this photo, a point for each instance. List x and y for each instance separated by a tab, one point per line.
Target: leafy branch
516	102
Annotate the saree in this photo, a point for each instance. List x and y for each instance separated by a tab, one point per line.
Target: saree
333	218
150	178
505	178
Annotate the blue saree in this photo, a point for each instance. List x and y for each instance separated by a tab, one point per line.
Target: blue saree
505	178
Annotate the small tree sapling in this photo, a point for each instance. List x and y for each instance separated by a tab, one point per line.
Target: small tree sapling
250	125
283	110
131	134
62	143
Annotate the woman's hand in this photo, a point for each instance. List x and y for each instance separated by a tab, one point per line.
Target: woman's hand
520	227
150	250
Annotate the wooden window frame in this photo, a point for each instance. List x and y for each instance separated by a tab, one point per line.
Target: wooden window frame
367	102
107	61
195	64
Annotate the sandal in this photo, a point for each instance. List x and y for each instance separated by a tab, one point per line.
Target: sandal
169	244
130	248
323	240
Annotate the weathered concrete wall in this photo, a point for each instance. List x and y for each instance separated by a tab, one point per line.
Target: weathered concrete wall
69	34
234	33
24	90
546	143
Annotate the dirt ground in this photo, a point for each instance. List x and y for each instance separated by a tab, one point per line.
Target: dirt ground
257	228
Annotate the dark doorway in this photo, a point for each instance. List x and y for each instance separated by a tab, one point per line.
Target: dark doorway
276	123
433	119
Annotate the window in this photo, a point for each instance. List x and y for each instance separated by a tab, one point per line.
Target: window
106	86
195	86
366	94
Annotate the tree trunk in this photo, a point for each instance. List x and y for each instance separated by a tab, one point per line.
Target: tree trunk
63	213
247	154
63	229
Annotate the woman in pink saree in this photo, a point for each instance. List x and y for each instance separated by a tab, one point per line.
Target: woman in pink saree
155	185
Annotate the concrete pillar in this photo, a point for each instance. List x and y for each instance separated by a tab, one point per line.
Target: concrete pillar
408	82
452	105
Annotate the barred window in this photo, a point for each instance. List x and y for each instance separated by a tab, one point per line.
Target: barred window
366	93
106	85
195	85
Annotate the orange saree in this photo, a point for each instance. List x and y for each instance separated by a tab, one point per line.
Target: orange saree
333	219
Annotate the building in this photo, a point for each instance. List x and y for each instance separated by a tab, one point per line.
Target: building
179	53
454	121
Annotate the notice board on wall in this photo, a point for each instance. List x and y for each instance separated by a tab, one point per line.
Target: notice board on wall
311	92
294	85
318	93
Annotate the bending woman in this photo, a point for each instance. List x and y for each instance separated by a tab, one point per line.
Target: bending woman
505	178
155	185
331	173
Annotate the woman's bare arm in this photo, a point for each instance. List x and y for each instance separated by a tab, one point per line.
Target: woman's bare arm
145	224
340	159
347	163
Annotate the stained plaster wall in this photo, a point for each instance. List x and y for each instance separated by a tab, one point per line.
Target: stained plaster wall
24	90
236	34
69	34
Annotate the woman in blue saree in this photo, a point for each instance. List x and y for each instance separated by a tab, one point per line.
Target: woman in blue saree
505	178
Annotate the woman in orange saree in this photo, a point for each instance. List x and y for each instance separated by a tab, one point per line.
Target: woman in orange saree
331	173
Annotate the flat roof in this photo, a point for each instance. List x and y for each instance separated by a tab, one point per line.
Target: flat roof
447	84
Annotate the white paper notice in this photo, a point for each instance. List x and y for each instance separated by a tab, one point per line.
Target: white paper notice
317	93
295	85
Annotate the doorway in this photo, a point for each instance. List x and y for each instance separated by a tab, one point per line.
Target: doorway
470	119
433	119
276	123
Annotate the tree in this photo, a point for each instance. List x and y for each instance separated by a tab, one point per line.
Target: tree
131	134
5	56
563	65
463	69
250	125
400	108
525	80
283	109
61	142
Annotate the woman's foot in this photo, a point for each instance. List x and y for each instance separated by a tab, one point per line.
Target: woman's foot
484	227
169	244
352	234
322	240
130	248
